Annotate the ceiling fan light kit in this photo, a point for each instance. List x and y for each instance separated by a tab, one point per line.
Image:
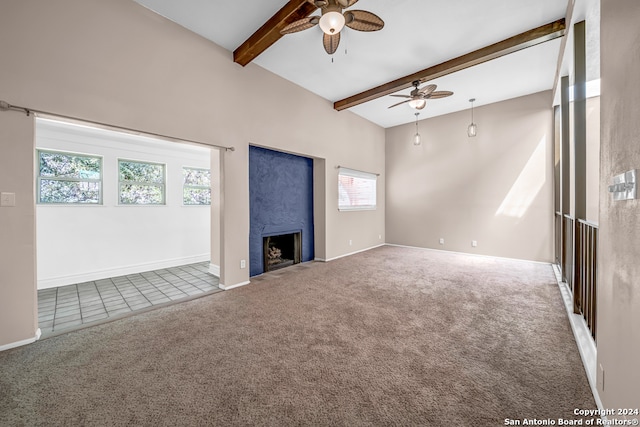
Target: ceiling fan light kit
472	129
417	104
418	97
333	20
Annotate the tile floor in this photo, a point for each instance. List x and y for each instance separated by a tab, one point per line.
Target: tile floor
73	306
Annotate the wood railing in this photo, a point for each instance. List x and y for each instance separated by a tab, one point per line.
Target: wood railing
558	239
567	250
585	273
576	247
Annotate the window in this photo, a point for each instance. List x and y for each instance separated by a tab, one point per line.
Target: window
67	178
197	186
356	190
141	183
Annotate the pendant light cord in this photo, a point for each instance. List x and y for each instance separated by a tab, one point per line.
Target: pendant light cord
471	101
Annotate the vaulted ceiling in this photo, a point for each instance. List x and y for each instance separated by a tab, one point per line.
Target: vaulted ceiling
490	50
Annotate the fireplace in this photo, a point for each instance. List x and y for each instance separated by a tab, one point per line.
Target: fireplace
280	203
281	250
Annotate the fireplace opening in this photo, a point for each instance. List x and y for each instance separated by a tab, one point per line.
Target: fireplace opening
282	250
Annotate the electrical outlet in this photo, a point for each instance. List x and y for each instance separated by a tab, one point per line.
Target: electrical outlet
441	241
474	243
379	236
243	263
350	242
7	199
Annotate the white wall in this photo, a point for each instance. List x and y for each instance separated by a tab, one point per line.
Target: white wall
495	188
78	243
618	331
18	311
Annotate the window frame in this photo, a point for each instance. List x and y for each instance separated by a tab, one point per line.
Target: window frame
39	179
197	187
352	173
162	186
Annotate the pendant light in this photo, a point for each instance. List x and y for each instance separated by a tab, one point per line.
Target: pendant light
472	129
416	138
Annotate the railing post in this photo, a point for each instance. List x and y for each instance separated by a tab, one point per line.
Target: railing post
577	269
594	292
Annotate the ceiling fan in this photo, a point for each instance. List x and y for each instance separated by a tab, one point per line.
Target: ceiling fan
418	97
333	19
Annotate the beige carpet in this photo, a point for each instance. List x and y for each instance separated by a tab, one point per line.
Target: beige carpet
392	336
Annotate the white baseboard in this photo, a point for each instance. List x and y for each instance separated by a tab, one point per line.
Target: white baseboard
71	279
215	270
22	342
582	335
237	285
468	253
350	253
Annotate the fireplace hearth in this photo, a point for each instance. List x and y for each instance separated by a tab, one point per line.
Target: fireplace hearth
282	250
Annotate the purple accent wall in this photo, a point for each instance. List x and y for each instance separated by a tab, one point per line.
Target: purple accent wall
280	201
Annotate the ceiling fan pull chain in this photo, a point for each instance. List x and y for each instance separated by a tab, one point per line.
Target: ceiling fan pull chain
346	43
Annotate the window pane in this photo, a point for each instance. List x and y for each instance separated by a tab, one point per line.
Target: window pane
54	191
69	166
141	194
356	192
141	172
197	196
141	183
197	177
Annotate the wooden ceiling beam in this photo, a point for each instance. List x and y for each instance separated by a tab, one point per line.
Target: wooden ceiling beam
269	33
521	41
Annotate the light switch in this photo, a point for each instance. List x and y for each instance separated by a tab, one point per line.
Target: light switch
7	199
624	186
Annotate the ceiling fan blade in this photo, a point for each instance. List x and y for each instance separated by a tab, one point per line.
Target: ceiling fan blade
300	25
347	3
427	89
399	103
439	94
401	96
331	42
361	20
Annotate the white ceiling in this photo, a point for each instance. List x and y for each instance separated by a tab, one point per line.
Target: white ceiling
417	34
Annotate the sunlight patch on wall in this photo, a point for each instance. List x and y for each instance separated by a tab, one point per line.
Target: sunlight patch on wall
527	186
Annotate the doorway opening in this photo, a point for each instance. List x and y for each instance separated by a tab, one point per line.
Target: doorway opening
123	222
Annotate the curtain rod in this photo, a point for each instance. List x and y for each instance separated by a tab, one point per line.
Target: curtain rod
5	106
344	167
